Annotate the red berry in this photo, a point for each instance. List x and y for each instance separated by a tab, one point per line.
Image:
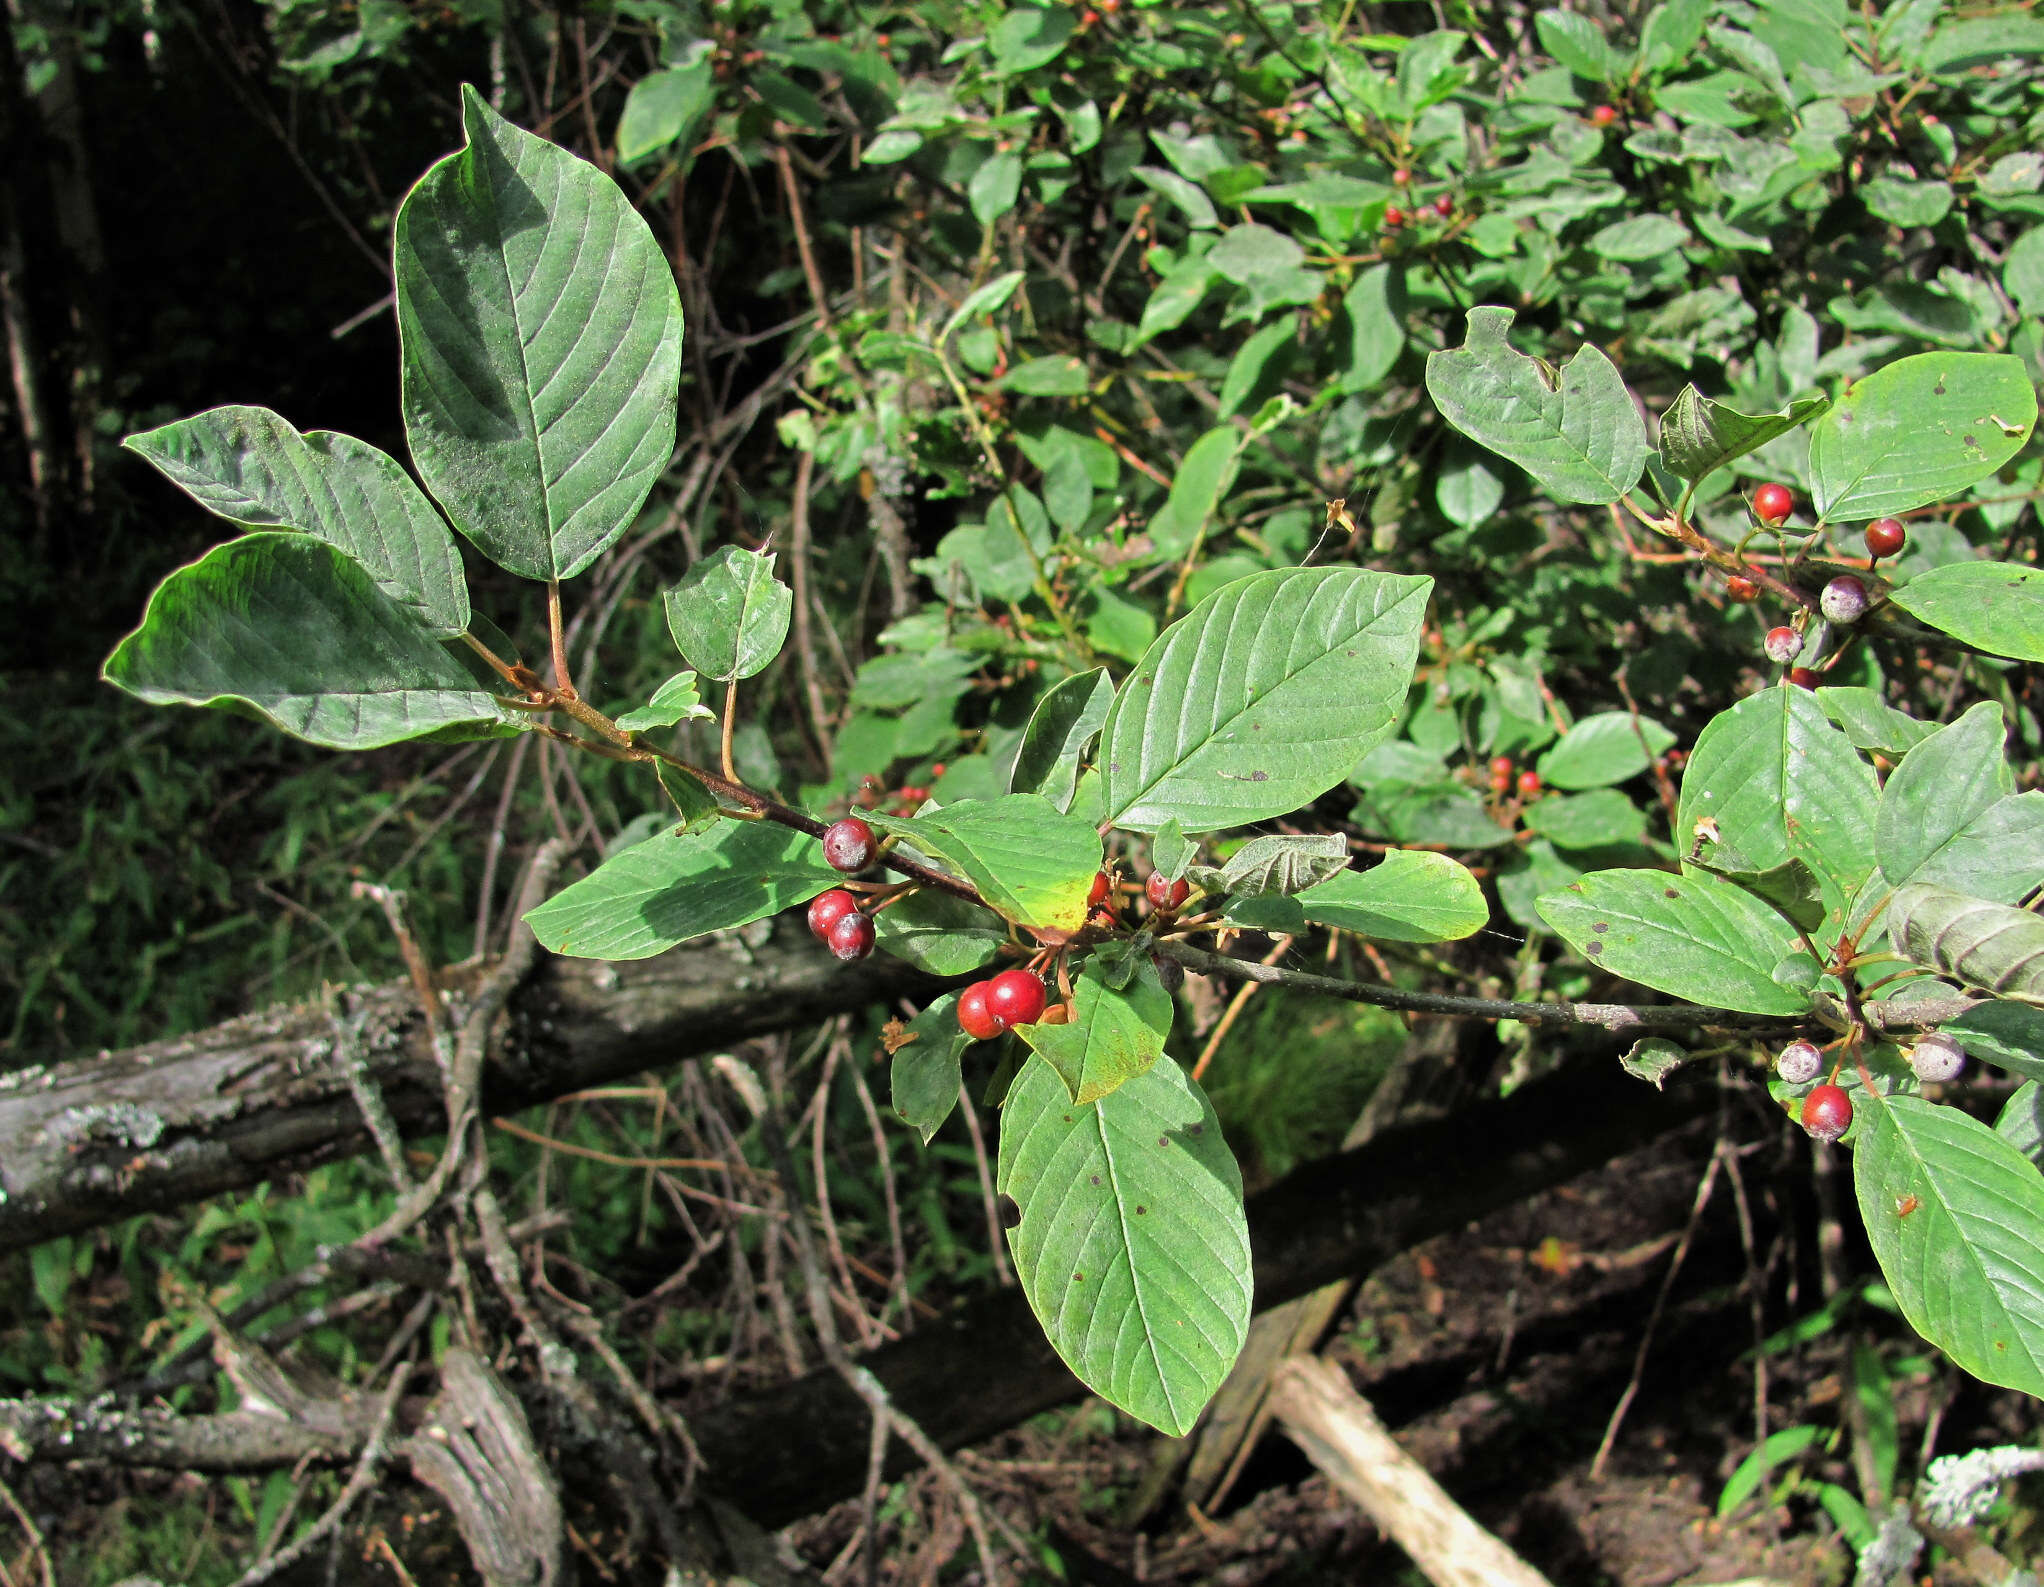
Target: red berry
1827	1113
1604	115
1772	503
1500	766
1016	997
1886	537
937	770
1782	644
1529	783
1802	677
1401	176
848	844
1394	217
1740	588
1099	892
1444	206
974	1017
852	937
827	909
1165	894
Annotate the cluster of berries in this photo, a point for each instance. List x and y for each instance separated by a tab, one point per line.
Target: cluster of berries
835	917
1504	779
1827	1110
907	799
1843	601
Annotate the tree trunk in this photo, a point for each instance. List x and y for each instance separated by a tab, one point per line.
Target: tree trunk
99	1139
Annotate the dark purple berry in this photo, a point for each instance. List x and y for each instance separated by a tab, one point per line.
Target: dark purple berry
848	844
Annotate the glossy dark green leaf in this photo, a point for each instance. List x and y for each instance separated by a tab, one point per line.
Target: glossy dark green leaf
1261	698
1949	815
541	336
253	468
288	628
662	107
1132	1246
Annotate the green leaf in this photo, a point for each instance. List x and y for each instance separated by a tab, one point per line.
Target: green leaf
2008	1034
1963	1261
1190	197
1873	724
994	187
1982	944
1576	42
1587	821
1693	937
1132	1245
662	107
1375	309
1261	698
729	616
1068	491
1700	434
677	886
1259	365
1279	862
1061	729
1030	861
1467	489
1059	376
291	630
1997	607
252	468
2021	1122
540	332
1638	238
1950	815
1907	203
1918	431
1604	749
1029	36
1752	1471
1783	783
1181	291
985	301
1411	896
940	933
1208	470
1576	431
1247	252
674	701
1115	1034
924	1074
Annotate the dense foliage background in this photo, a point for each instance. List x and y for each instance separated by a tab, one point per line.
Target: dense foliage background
1016	331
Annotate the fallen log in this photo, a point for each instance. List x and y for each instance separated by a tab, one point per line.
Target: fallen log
789	1451
91	1141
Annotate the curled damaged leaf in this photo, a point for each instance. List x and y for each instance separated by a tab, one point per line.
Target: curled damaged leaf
1978	943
